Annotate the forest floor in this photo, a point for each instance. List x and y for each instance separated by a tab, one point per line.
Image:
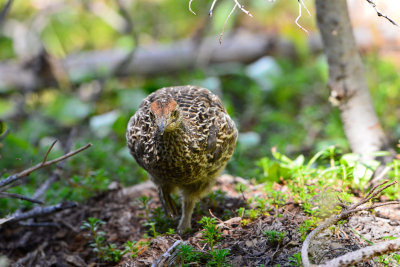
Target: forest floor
67	244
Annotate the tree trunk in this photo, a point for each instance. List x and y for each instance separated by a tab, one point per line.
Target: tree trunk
349	90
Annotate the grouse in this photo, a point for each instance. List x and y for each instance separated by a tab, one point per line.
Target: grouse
183	137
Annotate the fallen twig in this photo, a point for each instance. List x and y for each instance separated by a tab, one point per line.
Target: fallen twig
363	254
346	212
169	255
43	164
12	195
40	211
38	224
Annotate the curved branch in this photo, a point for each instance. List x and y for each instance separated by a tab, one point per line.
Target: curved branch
363	254
347	211
43	164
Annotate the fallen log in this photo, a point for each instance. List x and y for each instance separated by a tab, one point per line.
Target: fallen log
150	60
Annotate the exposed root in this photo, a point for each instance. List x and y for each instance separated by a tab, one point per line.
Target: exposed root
358	255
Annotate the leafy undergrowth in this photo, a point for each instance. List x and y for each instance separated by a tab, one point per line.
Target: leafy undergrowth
262	222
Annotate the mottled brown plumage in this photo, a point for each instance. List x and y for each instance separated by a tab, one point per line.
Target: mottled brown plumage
183	137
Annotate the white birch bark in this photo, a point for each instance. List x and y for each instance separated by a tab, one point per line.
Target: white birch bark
347	82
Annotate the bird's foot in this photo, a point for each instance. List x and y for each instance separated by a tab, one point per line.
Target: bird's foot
168	204
184	225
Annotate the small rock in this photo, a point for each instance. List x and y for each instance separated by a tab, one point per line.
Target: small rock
237	261
75	260
114	186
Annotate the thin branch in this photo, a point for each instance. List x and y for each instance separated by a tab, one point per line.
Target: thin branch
226	22
12	195
373	193
242	8
210	13
297	19
38	224
26	172
305	7
376	206
14	184
48	151
237	4
5	11
363	254
41	211
374	188
380	14
168	256
190	7
59	168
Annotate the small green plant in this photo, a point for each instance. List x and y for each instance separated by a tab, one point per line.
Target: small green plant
388	237
171	231
106	252
252	214
162	222
144	205
215	198
93	224
396	258
335	228
187	254
295	259
240	211
218	258
152	226
240	188
275	237
134	248
210	231
131	248
307	226
112	253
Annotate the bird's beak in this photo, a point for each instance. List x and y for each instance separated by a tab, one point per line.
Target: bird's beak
161	123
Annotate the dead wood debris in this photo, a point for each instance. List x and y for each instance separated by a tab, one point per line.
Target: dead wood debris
13	180
362	254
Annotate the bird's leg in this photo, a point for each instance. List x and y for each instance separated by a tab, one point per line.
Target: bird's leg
187	210
167	202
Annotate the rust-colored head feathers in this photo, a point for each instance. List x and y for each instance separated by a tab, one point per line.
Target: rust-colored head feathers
163	108
165	113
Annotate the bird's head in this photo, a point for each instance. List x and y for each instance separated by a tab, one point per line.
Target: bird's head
166	114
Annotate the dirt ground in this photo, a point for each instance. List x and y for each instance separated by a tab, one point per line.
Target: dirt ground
66	244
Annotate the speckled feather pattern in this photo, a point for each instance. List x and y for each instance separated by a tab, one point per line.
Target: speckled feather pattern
194	153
